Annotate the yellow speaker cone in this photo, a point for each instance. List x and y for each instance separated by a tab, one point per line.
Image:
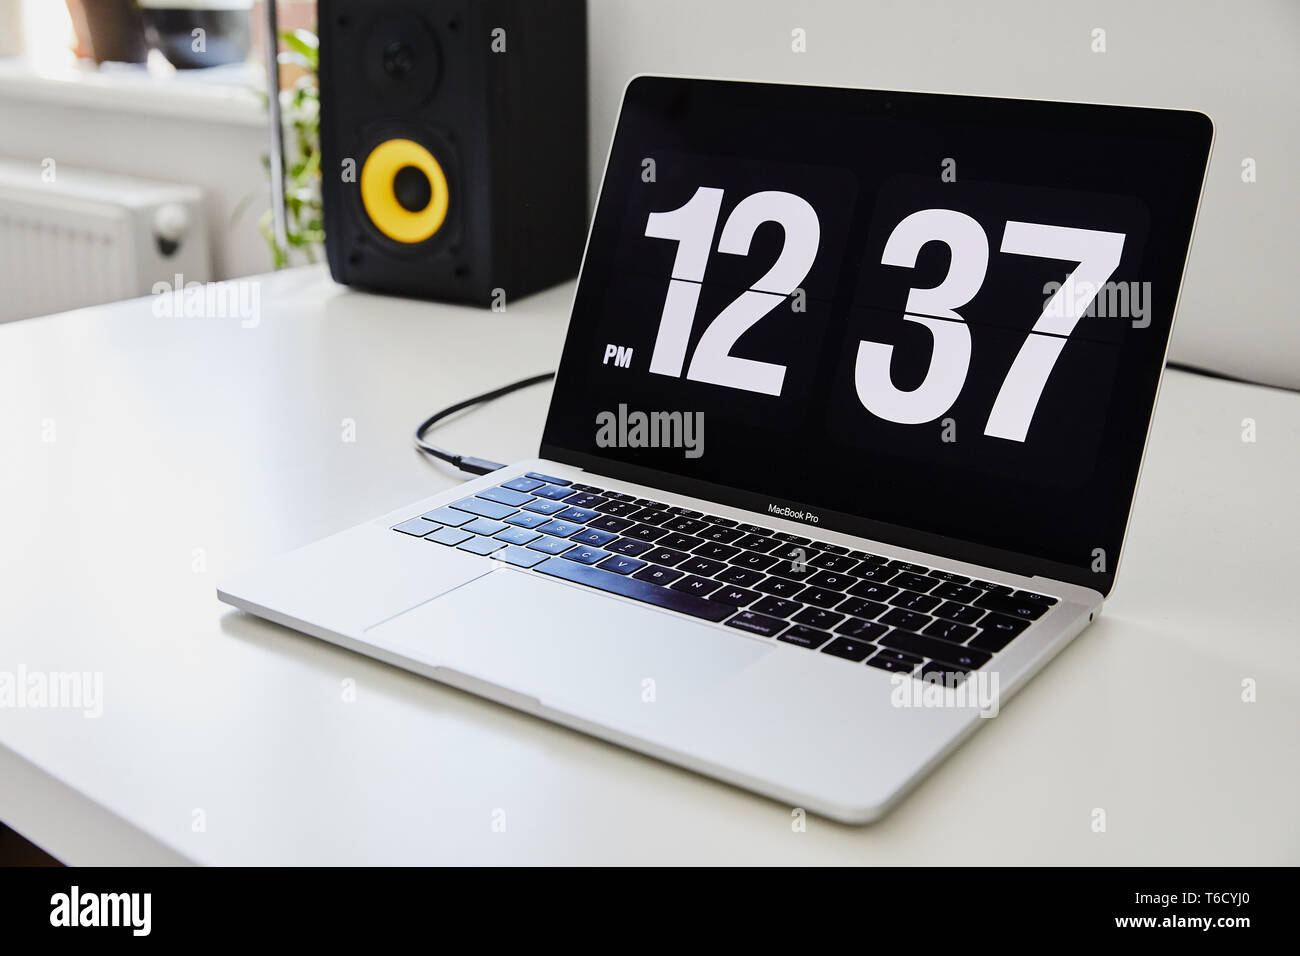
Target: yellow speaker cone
379	191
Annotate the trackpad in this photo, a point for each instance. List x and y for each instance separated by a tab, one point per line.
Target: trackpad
570	648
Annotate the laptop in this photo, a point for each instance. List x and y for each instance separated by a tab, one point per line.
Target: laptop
842	446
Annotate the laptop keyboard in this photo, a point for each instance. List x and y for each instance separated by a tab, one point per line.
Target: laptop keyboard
860	607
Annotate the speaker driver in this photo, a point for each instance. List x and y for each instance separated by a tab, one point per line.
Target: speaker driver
404	191
400	60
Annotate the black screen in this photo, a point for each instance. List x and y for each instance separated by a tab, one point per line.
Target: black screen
935	320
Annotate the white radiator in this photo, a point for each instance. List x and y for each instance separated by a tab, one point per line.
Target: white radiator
70	238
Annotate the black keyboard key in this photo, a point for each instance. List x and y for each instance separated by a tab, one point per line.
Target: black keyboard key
833	562
832	580
1034	596
620	509
519	557
453	536
561	529
957	592
484	508
578	486
482	546
485	526
586	555
834	548
873	591
736	597
610	523
724	522
906	566
686	525
620	496
704	567
551	545
781	587
886	664
805	636
913	582
752	559
548	479
794	570
861	607
693	584
867	557
637	590
757	542
679	541
620	565
776	607
417	527
860	629
949	631
967	657
908	620
988	586
665	556
754	529
655	516
818	617
742	576
848	649
526	519
685	512
1012	607
716	551
793	552
959	612
911	601
874	572
592	536
791	538
523	484
950	576
899	657
821	597
630	546
554	492
505	496
656	574
521	536
644	532
996	631
945	675
759	624
715	532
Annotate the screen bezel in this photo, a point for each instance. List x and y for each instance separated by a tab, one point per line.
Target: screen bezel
1193	128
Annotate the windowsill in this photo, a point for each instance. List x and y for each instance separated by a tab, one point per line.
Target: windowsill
221	94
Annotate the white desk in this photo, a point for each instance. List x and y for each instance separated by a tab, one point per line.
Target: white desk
172	435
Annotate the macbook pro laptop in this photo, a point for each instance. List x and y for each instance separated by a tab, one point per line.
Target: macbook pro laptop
842	446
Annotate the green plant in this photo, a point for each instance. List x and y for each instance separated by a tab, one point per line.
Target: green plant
300	111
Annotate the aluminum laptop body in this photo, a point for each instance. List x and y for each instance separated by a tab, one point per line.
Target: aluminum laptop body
842	446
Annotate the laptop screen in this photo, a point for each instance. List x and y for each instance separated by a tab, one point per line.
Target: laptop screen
938	321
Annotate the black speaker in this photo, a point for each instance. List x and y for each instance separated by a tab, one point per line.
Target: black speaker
454	144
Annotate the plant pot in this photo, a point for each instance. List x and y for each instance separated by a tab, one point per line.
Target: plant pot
193	34
111	29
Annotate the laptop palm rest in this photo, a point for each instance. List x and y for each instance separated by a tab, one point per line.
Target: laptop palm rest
570	649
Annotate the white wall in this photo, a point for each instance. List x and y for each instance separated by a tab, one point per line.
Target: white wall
1237	60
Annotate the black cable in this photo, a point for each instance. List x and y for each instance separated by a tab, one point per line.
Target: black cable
475	466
